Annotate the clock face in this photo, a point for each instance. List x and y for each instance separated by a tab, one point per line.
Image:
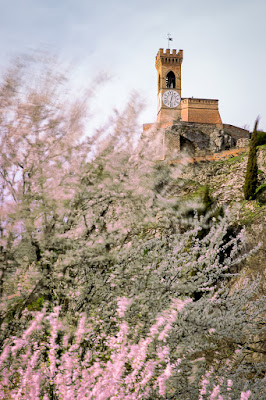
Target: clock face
171	98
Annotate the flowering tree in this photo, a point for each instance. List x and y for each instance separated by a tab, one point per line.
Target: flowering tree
111	288
40	163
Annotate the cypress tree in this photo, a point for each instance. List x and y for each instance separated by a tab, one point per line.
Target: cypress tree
251	177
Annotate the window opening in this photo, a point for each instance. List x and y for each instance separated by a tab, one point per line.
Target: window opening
170	80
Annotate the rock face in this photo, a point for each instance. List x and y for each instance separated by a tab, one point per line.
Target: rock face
225	177
197	139
220	141
261	160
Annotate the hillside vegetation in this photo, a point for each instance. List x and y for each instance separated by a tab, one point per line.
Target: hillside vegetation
225	180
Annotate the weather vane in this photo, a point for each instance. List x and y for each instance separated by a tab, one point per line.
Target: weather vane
170	39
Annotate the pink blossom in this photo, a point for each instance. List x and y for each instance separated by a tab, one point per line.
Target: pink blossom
164	333
163	353
229	384
161	380
81	329
35	325
215	392
123	303
180	304
204	384
245	395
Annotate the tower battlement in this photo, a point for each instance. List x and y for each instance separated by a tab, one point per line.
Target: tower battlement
169	55
168	52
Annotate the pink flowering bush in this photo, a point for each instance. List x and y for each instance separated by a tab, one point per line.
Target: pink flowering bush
48	360
52	361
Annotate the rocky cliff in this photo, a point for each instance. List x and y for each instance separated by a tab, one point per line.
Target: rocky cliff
197	139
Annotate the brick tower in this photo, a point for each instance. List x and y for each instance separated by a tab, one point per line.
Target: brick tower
168	67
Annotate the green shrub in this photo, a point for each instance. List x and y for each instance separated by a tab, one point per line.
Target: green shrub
260	194
261	138
251	177
36	305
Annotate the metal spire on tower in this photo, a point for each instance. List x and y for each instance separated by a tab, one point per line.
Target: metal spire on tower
169	38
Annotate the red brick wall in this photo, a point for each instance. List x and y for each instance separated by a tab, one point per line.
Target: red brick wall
204	111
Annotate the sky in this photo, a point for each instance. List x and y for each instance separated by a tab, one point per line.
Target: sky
224	44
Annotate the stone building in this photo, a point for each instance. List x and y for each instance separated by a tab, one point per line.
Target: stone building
188	124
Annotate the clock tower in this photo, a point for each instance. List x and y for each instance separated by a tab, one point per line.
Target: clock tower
168	65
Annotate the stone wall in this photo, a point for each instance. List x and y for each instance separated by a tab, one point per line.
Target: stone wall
171	144
203	138
236	133
196	140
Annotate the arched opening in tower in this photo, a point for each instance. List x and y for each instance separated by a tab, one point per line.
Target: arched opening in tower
170	80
